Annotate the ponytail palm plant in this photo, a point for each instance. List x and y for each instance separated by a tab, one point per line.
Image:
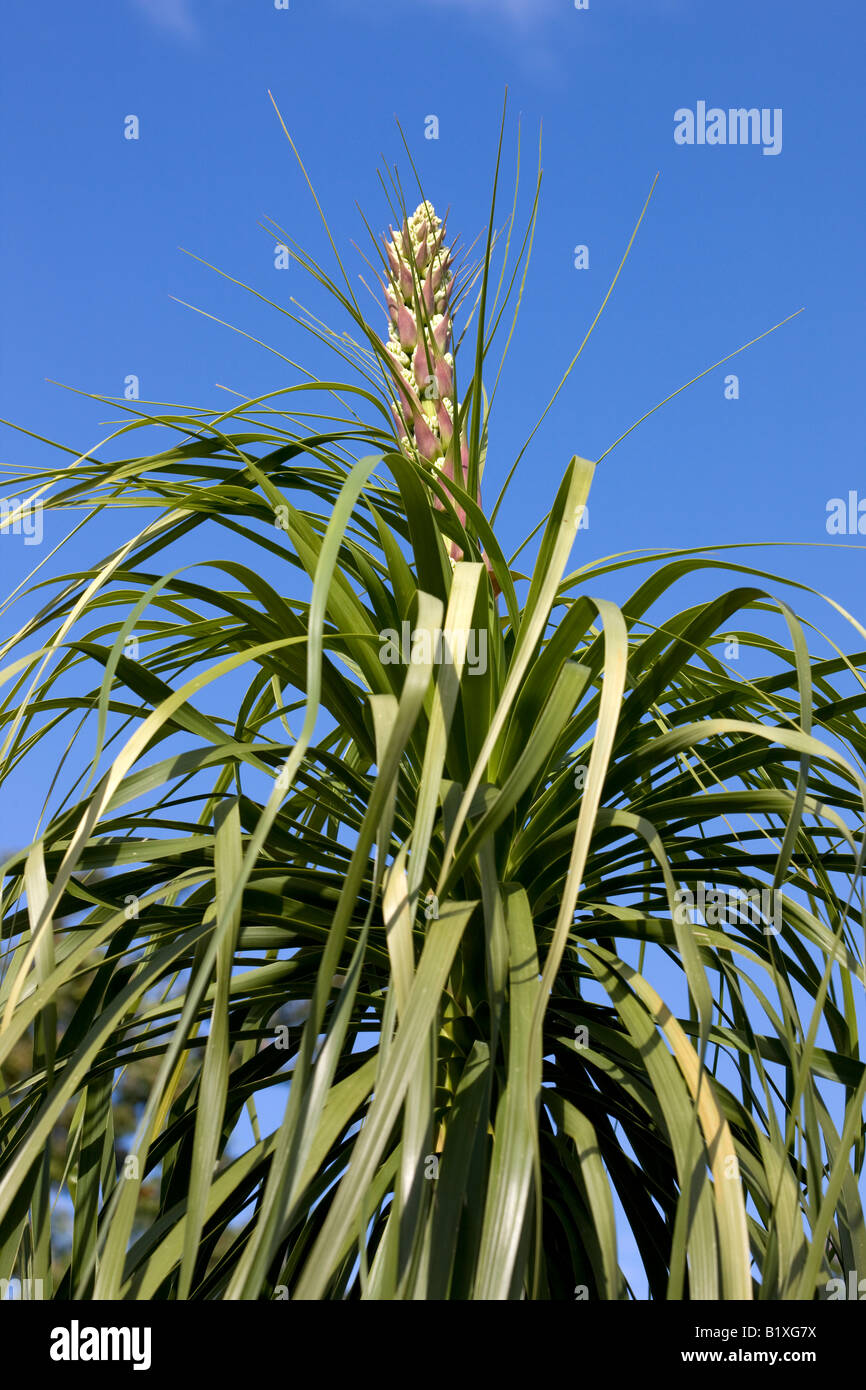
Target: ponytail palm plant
400	870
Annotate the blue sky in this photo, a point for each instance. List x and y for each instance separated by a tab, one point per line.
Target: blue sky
734	240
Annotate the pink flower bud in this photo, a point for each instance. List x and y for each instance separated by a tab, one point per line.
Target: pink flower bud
391	301
428	444
407	284
407	328
422	364
407	398
442	334
444	378
428	294
446	424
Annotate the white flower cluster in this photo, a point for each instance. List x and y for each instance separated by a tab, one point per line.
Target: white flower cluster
419	335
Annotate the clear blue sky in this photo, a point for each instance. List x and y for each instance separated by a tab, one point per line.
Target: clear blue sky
734	240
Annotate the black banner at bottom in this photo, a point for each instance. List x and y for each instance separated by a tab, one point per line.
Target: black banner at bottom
63	1340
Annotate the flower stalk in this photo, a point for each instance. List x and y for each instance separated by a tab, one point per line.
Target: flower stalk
420	349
